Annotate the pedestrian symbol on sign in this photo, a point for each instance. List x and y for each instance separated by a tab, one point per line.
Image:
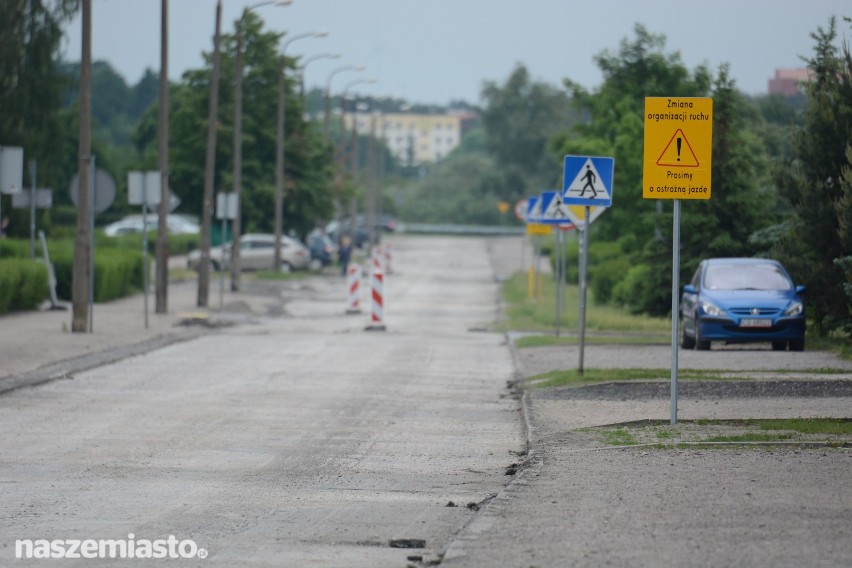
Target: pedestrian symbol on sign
590	178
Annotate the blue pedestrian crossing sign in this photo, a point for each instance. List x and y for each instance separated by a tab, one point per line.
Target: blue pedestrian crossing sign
533	209
587	181
553	210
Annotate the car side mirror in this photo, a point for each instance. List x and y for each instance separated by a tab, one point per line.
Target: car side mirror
689	289
800	289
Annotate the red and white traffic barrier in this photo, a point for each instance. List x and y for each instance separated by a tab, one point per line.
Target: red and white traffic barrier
377	259
377	304
388	259
353	285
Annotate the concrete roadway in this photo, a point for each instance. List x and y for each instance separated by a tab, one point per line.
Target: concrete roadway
293	441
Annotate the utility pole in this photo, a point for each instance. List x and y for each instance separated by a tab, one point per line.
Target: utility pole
238	154
209	170
279	162
82	251
162	253
371	185
353	200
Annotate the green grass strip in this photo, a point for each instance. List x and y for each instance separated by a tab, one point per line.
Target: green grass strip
571	377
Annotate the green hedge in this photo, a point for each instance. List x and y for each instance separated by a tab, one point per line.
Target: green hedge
118	272
118	262
608	266
23	284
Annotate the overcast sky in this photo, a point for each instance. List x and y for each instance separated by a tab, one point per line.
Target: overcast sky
435	51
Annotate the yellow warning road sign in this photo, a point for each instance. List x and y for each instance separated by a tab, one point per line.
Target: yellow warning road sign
678	148
539	229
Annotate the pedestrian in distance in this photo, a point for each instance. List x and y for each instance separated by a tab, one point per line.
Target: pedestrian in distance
344	253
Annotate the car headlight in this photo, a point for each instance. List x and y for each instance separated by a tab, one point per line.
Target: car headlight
794	309
711	309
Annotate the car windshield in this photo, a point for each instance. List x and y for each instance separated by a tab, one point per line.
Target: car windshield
745	277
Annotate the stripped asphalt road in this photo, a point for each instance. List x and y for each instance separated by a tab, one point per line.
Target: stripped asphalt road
292	441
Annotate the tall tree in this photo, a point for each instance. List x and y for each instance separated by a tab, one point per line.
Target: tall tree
30	83
740	205
308	193
520	118
817	188
640	68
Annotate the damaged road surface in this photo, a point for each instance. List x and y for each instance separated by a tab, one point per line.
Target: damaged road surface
291	441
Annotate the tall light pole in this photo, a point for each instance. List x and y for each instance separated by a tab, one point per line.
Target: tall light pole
279	143
328	91
304	65
354	151
209	170
82	250
161	278
236	267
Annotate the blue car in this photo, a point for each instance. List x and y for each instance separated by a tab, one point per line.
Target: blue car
739	300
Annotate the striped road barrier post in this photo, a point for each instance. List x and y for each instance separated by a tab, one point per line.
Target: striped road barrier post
377	259
377	303
388	256
353	286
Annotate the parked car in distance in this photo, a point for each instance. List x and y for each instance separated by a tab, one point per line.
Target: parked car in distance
323	249
257	252
175	223
738	300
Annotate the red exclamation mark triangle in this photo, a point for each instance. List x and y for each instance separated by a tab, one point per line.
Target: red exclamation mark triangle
678	152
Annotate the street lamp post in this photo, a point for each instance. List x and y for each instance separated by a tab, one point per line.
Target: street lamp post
238	139
328	91
162	246
279	143
354	152
305	63
209	169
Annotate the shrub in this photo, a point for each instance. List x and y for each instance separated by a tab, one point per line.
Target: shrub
118	272
23	284
607	275
633	284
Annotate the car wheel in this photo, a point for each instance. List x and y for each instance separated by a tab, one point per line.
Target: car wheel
700	344
286	267
779	345
685	341
797	344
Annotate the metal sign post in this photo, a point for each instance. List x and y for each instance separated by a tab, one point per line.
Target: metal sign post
93	193
587	181
143	188
554	212
584	268
226	209
40	198
677	164
675	305
32	207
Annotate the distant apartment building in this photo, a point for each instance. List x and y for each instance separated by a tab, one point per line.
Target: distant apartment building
413	139
787	82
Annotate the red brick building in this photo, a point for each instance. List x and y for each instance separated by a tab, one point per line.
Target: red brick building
787	82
